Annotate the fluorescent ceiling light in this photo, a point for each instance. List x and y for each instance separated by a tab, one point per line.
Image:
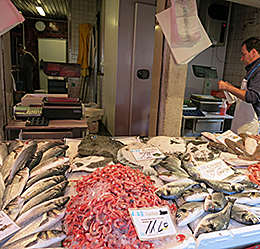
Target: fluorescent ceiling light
40	10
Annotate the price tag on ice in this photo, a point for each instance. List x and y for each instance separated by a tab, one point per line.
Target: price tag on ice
152	223
7	225
215	170
147	153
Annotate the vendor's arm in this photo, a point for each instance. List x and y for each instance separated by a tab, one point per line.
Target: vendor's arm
225	86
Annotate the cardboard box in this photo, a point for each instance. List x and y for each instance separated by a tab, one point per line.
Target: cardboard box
93	112
93	127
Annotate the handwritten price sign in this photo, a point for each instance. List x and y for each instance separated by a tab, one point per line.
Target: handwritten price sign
152	223
147	153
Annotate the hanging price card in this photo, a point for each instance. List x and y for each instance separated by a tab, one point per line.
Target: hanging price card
147	153
152	223
7	225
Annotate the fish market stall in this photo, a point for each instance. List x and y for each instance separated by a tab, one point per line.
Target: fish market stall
127	192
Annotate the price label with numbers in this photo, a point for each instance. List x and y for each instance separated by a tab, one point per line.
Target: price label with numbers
152	223
147	153
7	225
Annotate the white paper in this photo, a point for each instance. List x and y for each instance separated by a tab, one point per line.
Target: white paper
182	54
230	97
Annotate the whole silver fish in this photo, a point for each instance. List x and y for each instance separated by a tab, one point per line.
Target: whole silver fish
36	160
8	163
48	145
16	187
244	216
215	202
54	152
236	177
42	223
13	208
2	189
3	152
14	144
248	198
37	240
41	186
225	187
56	170
173	190
23	158
189	212
215	221
47	164
171	176
46	195
33	213
196	193
170	163
253	209
189	165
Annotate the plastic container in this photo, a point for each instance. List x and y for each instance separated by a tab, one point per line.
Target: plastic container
223	108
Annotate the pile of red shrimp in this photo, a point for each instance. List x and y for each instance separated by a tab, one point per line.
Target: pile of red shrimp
98	216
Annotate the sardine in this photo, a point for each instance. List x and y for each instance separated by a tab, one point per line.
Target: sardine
16	187
47	164
225	187
215	202
196	193
33	213
46	195
42	223
173	190
57	170
215	221
13	208
23	158
3	152
54	152
41	186
244	216
188	212
37	240
248	198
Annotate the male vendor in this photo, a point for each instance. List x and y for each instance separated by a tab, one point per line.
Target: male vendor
248	96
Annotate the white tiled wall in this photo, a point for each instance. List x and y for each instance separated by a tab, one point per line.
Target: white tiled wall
240	30
82	11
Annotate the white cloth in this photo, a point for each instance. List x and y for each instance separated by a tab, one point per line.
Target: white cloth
245	118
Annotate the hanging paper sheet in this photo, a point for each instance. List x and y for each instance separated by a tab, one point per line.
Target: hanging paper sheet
187	42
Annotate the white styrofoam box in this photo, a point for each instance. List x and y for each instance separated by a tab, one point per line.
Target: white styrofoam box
93	112
29	99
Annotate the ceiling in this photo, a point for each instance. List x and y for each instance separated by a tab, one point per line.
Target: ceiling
54	9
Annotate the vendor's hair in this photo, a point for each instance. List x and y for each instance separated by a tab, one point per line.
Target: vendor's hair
20	46
252	42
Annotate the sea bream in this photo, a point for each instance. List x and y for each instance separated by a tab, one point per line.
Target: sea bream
244	216
225	187
37	240
248	198
53	192
33	213
215	202
173	190
189	165
196	193
215	221
189	212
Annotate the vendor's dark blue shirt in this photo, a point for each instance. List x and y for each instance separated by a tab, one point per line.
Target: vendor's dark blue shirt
253	85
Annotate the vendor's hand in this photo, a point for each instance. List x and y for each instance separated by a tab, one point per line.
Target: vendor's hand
223	85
